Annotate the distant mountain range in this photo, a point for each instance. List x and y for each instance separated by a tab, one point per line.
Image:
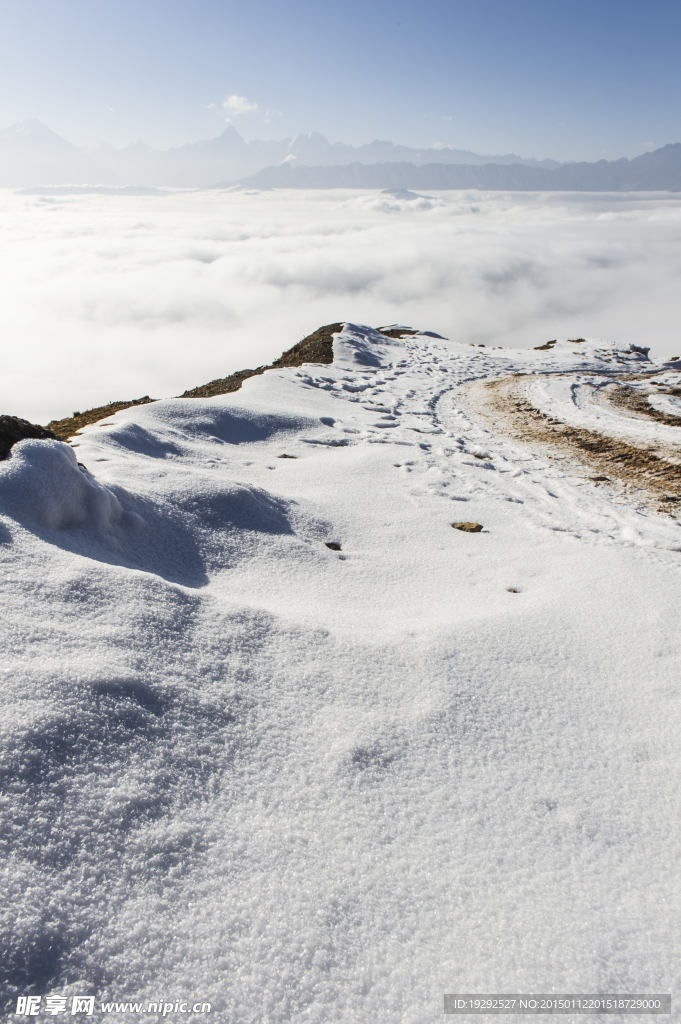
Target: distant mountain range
33	156
651	172
200	164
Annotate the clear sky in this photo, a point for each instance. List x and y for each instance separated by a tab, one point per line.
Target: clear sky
583	79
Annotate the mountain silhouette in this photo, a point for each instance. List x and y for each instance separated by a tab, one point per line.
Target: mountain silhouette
32	155
651	172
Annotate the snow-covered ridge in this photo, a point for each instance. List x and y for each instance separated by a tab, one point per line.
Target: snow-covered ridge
314	783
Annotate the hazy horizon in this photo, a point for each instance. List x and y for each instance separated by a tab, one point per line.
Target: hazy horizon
579	83
249	138
33	156
272	137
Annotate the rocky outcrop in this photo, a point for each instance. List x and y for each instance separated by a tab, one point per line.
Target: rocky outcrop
315	348
13	429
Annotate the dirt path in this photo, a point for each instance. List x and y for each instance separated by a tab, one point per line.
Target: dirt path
646	471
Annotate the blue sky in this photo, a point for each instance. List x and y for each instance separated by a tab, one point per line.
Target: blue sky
577	80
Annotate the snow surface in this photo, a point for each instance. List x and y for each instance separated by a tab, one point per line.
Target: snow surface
316	785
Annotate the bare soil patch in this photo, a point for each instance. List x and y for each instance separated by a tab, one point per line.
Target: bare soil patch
68	426
652	470
635	401
396	332
315	348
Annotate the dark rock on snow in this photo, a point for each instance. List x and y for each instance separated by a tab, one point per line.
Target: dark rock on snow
13	429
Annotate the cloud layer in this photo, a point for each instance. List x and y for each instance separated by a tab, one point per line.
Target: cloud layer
112	297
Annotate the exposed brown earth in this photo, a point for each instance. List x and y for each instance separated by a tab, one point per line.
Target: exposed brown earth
650	469
70	424
223	385
637	402
396	332
551	344
315	348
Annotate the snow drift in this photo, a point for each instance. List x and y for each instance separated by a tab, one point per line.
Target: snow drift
43	484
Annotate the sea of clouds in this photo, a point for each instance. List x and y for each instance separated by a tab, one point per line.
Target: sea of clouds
109	297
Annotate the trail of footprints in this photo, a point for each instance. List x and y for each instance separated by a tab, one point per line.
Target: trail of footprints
442	451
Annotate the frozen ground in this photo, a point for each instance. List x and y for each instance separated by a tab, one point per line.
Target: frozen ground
108	298
317	785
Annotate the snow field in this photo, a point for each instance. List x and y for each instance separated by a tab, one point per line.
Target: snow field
322	786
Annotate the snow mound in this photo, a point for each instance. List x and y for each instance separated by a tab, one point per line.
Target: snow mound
174	428
42	483
174	534
358	345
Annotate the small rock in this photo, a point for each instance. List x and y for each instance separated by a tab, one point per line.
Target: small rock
13	429
468	527
331	544
287	456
